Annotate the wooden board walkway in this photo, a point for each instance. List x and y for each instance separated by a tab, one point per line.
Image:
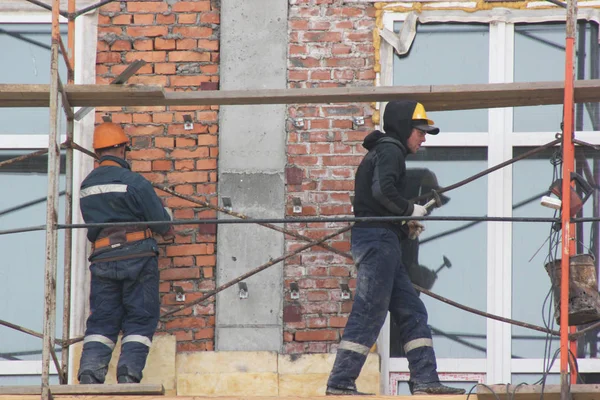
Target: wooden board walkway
155	392
533	392
115	390
435	97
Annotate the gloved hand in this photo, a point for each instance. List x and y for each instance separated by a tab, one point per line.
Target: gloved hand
419	211
415	228
169	236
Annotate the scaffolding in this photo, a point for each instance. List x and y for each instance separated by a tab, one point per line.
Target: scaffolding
56	95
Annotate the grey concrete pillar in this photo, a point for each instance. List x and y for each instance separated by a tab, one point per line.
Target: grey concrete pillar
251	166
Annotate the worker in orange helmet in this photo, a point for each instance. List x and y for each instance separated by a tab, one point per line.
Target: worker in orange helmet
124	265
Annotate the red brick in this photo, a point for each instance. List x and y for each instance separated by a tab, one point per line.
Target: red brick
188	56
143	19
306	62
180	177
157	80
141	166
162	165
322	36
190	322
210	18
207	333
149	56
165	68
123	19
206	164
186	44
164	44
338	49
147	31
193	32
143	44
200	152
184	165
179	273
187	18
185	142
354	36
207	44
206	260
318	335
296	50
147	154
147	6
162	19
189	80
191	6
141	118
108	57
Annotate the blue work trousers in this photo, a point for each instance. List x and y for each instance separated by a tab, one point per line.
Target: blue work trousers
124	297
382	284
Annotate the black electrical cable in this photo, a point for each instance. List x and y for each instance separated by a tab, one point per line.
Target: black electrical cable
279	221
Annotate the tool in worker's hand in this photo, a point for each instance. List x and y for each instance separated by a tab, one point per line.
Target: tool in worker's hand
435	202
446	264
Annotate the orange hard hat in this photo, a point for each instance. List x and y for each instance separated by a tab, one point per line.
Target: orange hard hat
108	134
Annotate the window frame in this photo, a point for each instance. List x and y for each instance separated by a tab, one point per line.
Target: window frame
85	54
498	366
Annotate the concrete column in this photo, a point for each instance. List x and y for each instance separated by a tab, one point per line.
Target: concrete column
251	166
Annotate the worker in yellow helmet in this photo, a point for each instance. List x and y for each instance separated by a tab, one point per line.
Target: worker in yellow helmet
124	265
382	282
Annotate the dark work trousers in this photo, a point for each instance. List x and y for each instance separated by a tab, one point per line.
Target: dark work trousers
382	284
124	297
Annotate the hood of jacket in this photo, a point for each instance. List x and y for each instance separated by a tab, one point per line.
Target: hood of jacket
397	119
376	137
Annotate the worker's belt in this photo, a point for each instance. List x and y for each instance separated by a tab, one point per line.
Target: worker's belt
117	240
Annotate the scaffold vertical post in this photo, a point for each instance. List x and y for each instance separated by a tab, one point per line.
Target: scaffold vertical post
568	168
68	202
51	210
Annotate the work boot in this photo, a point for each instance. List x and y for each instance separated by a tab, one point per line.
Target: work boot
333	391
435	388
88	379
126	379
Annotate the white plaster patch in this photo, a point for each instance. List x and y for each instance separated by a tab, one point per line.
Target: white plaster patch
460	4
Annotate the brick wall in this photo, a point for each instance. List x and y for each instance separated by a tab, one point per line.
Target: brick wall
180	42
331	45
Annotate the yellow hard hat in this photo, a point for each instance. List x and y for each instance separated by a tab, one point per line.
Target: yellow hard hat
109	134
420	120
420	113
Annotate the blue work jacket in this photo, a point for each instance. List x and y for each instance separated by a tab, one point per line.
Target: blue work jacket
112	193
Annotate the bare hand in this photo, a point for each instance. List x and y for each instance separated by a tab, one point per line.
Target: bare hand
415	228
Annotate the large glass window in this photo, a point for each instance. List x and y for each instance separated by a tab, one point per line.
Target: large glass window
540	56
531	297
29	49
455	251
517	286
444	54
22	274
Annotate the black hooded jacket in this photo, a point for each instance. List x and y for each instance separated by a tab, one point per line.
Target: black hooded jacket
381	176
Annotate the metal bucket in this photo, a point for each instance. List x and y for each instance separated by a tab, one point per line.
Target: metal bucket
584	300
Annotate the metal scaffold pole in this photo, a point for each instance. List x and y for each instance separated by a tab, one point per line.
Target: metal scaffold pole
568	243
51	210
66	326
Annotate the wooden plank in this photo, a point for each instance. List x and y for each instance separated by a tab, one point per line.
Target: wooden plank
154	397
435	97
117	389
533	392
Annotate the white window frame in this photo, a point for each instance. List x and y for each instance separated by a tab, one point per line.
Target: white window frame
85	73
500	140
